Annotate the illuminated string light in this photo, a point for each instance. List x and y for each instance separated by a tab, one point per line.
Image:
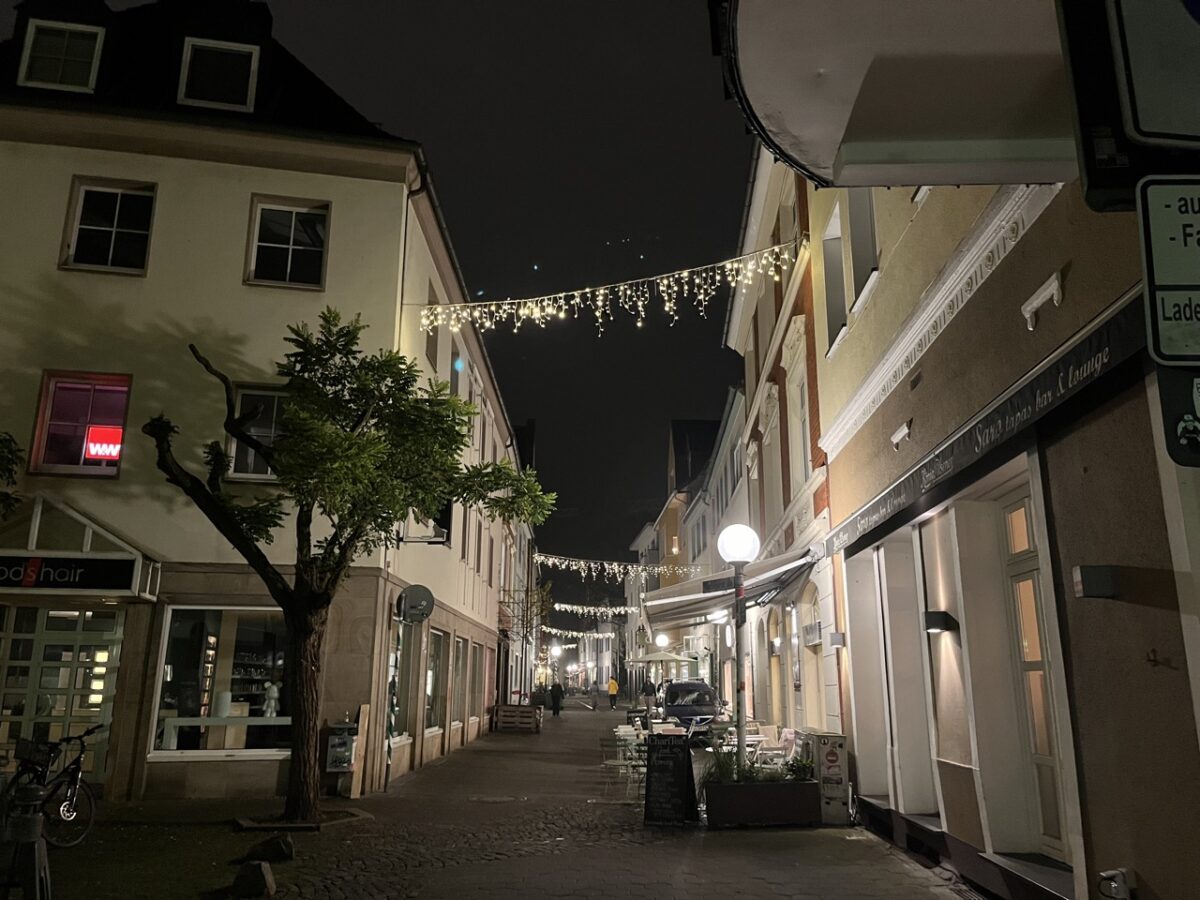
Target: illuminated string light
699	285
564	632
599	612
611	570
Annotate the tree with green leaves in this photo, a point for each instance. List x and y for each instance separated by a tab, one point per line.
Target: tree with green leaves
361	445
11	459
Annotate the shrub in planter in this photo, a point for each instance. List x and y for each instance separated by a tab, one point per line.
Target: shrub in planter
756	796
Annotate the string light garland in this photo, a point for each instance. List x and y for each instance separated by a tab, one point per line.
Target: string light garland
611	570
564	632
600	612
699	285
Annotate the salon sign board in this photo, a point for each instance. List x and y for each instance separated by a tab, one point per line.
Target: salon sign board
1169	214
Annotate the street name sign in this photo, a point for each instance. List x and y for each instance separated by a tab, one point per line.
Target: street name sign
1169	213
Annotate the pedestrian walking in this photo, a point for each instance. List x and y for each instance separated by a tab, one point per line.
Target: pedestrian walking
594	691
556	695
649	694
613	688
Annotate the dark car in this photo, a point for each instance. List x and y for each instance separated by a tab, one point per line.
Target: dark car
691	702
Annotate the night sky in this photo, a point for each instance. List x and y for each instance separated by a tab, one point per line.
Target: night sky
572	143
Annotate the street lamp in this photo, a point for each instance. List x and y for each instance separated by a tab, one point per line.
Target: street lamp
555	650
660	641
555	653
738	545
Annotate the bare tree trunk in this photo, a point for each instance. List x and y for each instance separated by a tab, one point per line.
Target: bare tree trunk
305	638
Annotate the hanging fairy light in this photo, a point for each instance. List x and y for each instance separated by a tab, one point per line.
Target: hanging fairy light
599	612
564	632
698	285
611	570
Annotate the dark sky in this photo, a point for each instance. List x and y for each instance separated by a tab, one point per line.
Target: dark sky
590	140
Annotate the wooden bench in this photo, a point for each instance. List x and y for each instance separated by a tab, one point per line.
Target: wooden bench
518	718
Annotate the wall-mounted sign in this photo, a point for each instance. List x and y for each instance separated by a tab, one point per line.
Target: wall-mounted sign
66	573
415	604
103	442
1110	342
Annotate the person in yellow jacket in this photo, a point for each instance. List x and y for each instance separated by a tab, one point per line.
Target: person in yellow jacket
613	688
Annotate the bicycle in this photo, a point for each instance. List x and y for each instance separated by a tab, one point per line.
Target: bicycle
70	805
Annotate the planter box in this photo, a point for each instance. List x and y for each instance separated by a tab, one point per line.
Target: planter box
796	803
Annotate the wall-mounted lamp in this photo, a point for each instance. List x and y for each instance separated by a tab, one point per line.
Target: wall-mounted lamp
837	639
903	433
938	620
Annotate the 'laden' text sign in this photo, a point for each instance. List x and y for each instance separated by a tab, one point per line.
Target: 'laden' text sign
1169	212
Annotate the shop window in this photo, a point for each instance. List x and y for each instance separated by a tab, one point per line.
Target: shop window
264	427
223	682
109	226
218	74
288	243
400	681
435	681
64	56
81	424
460	681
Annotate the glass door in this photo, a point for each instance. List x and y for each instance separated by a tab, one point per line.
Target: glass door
1026	608
58	672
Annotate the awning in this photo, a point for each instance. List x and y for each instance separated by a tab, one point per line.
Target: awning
877	92
704	599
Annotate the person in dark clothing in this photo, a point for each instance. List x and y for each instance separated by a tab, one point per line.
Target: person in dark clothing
556	695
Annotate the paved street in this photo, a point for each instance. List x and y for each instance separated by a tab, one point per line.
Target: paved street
513	815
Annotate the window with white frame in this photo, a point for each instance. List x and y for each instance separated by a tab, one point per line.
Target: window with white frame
263	427
835	277
109	226
81	424
222	684
218	74
288	243
435	680
64	56
864	248
431	336
801	450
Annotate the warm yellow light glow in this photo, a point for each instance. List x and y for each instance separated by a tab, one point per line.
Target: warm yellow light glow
101	656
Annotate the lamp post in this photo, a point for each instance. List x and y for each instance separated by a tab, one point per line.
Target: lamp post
738	545
555	653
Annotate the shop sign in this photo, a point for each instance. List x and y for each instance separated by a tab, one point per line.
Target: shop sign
103	442
1110	343
1169	212
66	573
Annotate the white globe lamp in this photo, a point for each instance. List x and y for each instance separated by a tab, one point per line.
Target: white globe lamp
555	650
738	544
660	641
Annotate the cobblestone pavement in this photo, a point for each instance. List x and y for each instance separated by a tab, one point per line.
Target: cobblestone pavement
512	815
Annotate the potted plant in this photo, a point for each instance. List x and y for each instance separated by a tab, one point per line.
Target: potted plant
756	795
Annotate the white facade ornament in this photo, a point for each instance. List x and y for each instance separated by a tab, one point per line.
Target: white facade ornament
793	345
769	417
1001	225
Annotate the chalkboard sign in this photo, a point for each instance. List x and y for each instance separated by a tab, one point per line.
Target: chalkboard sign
670	784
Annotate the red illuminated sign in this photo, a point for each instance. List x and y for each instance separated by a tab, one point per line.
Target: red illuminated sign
103	442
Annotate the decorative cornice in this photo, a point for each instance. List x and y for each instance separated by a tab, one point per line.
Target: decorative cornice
1002	224
770	411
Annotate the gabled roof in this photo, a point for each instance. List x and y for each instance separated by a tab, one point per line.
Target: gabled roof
141	61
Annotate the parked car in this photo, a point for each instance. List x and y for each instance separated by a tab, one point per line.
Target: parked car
691	702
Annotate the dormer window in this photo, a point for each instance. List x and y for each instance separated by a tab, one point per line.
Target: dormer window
218	74
60	55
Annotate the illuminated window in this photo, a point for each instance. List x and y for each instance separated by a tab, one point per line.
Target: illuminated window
218	74
81	424
61	55
288	243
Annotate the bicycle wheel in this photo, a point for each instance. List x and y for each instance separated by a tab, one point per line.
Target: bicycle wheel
64	826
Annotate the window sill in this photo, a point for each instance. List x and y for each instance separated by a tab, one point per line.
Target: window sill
215	755
248	478
401	740
74	472
868	291
51	86
288	285
103	270
837	342
435	730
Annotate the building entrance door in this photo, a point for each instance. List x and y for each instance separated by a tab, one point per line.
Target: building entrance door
58	671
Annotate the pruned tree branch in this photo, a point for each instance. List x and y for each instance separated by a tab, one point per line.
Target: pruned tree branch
235	425
161	431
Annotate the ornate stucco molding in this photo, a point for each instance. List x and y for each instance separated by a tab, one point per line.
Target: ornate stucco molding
793	345
1000	226
770	412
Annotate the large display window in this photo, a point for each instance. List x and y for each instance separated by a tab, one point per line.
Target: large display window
222	684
